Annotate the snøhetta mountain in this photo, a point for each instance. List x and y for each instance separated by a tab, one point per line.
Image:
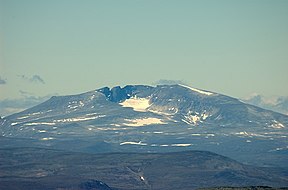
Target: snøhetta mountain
143	118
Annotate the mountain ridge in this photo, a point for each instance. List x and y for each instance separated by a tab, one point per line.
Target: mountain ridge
158	119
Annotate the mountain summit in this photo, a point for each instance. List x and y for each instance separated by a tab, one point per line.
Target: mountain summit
153	119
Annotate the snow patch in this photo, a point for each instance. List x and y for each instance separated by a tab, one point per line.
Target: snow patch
158	132
181	145
79	119
243	133
191	119
89	114
75	104
185	121
204	116
195	134
81	104
277	125
143	122
247	134
171	145
72	107
138	104
280	148
24	117
133	143
197	90
40	123
116	125
37	113
92	97
47	138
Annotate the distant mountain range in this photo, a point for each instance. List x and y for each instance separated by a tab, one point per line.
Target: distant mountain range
11	106
279	104
142	118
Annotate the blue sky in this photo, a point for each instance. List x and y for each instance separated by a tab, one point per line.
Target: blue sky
67	46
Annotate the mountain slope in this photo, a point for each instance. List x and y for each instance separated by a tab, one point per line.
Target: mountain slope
158	119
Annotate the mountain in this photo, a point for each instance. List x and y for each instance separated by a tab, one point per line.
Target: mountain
279	104
141	118
37	168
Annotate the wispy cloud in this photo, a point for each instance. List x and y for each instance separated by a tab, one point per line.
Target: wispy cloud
25	94
33	79
37	78
2	81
